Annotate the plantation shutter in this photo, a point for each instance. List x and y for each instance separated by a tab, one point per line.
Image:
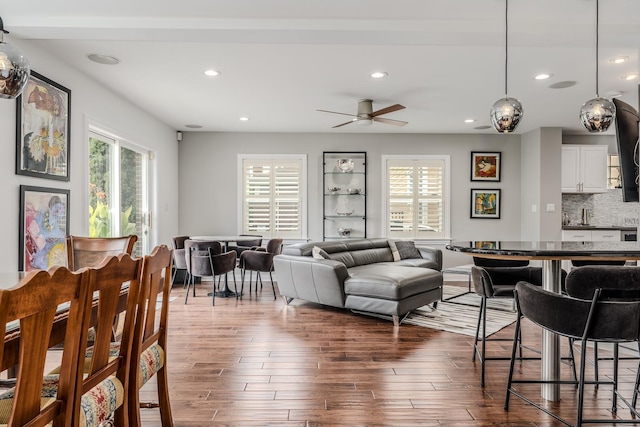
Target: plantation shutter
272	197
415	198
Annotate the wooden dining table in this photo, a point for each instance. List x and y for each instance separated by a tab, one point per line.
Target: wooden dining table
551	254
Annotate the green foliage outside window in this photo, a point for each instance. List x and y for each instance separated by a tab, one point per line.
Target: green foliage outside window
100	160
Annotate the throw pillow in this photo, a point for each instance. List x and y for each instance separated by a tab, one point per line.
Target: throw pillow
319	253
407	249
394	250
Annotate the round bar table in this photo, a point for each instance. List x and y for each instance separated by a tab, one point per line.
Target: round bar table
551	254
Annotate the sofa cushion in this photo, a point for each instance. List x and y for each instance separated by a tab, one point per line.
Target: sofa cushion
390	282
413	262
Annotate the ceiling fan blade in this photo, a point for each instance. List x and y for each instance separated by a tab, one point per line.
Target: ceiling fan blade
389	121
346	123
389	109
335	112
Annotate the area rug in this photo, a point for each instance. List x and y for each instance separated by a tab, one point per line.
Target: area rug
460	315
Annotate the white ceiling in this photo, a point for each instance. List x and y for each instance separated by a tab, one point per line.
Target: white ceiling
283	59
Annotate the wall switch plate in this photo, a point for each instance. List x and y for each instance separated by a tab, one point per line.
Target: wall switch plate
551	207
534	208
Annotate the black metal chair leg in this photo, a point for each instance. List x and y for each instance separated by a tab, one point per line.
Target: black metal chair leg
235	285
272	286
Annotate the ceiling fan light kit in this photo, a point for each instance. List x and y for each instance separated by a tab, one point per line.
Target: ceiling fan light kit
597	114
14	68
366	116
506	112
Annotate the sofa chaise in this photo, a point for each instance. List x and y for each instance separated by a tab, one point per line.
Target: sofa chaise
379	277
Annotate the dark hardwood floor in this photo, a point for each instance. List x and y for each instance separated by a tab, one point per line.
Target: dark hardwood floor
259	362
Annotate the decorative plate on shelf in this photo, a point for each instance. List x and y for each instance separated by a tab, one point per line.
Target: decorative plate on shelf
345	165
345	213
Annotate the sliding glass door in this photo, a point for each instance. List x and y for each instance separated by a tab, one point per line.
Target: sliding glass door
118	190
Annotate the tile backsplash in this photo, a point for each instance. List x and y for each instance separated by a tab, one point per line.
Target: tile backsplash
606	209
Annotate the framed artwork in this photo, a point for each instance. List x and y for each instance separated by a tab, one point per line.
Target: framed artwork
485	166
485	203
486	245
44	225
42	130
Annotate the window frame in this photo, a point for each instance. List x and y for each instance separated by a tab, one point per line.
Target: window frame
446	194
117	142
302	158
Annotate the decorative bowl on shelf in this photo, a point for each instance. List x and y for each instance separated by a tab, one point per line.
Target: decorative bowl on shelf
333	190
345	213
354	190
345	165
344	232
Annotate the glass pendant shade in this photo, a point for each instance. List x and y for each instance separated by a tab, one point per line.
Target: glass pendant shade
14	69
597	114
506	114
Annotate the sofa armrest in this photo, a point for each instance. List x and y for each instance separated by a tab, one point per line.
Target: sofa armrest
310	279
432	254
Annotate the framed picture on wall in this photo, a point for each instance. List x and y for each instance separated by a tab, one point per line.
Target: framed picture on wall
42	130
44	225
485	203
485	166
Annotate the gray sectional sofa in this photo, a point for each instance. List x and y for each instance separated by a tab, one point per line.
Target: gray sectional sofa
362	275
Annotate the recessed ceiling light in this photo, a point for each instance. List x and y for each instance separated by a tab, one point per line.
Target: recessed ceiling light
193	126
212	73
619	59
379	74
244	119
469	120
482	127
614	93
542	76
103	59
630	77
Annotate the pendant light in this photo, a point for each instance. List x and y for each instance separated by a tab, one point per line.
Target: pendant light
597	114
506	112
14	68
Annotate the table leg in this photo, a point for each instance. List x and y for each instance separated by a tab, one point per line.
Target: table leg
551	281
225	292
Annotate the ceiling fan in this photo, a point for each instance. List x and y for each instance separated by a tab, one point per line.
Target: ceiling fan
366	115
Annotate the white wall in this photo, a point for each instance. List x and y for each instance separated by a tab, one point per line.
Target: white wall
208	188
89	100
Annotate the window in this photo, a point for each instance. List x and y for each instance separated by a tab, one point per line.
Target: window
272	196
118	196
416	197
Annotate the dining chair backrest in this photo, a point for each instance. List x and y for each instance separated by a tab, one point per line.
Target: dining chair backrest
150	334
90	251
274	246
104	389
197	256
35	302
179	259
583	281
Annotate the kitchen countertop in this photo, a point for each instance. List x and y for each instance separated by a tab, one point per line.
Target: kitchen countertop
599	227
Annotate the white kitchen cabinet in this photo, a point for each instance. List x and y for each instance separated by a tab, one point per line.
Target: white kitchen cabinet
576	235
605	235
591	235
584	168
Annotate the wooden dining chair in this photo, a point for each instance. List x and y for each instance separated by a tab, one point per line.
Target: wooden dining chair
150	336
37	302
90	251
104	389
